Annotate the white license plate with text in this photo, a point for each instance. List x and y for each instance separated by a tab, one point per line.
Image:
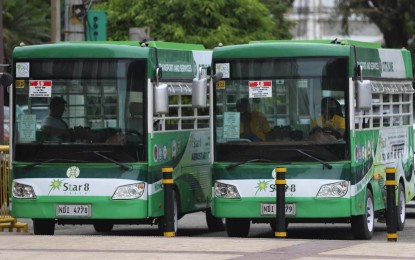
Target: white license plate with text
73	210
271	209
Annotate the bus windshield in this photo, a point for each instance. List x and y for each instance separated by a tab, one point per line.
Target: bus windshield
285	109
80	109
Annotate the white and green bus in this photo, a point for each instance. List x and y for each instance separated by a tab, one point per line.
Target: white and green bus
128	114
335	170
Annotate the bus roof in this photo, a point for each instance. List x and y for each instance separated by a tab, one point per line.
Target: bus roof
98	49
280	49
375	45
80	50
155	44
375	61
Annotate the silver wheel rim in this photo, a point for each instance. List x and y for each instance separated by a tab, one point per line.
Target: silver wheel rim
370	214
402	207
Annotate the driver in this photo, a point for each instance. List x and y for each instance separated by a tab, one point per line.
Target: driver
331	121
53	126
254	125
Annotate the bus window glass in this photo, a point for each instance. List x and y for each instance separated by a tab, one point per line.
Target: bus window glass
279	102
96	94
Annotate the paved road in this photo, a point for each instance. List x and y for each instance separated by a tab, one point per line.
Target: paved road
194	225
25	246
304	242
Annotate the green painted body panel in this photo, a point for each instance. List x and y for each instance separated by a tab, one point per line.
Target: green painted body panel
80	51
341	42
45	207
191	168
156	204
175	45
305	207
281	50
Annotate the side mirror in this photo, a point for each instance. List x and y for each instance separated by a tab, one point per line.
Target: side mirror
364	94
6	79
161	99
199	92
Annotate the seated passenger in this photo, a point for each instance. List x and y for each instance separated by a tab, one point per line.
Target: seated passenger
331	123
254	125
53	126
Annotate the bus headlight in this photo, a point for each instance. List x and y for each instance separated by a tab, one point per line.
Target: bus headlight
333	190
23	191
132	191
227	191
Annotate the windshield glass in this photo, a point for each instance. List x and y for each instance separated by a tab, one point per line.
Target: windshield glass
73	106
271	108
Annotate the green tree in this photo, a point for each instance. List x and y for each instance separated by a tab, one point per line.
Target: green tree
24	21
395	18
195	21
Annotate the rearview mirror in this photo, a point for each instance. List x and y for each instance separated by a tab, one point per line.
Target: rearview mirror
199	92
363	94
161	99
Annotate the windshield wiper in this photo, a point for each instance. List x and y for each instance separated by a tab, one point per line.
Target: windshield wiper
234	165
122	165
325	164
29	166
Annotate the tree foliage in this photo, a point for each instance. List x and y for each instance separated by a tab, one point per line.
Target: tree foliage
195	21
26	21
395	18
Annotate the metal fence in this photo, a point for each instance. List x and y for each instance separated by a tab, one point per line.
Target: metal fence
7	222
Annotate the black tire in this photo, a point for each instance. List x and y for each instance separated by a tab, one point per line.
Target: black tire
214	224
44	227
162	222
103	227
401	209
363	225
237	227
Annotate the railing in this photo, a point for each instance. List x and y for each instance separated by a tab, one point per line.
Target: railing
7	221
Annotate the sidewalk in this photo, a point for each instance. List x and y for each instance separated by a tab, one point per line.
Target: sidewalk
27	246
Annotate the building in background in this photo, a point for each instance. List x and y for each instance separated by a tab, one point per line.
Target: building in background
317	19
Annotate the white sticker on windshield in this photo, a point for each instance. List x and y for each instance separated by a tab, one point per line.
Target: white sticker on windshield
231	125
224	68
22	69
27	128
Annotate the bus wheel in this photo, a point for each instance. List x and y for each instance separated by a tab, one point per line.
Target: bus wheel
363	225
237	227
401	210
162	220
103	227
214	224
44	226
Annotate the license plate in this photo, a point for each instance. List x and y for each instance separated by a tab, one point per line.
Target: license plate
73	210
271	209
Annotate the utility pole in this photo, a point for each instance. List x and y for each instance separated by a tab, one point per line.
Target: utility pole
2	66
75	16
55	20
